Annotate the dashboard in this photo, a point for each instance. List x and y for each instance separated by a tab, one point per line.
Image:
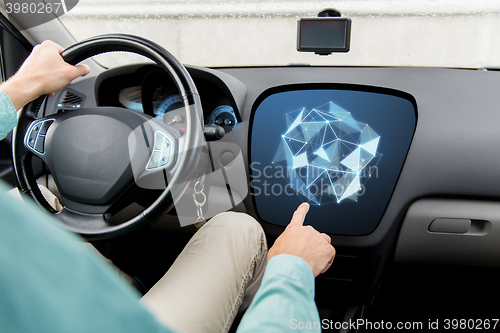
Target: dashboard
431	133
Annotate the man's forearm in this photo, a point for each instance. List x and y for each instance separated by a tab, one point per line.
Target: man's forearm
285	300
19	91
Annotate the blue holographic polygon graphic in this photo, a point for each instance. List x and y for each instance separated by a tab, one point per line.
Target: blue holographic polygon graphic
328	155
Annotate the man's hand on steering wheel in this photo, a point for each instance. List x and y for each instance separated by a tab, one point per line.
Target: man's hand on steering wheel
43	72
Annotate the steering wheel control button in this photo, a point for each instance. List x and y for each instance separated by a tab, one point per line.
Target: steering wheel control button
40	142
35	139
154	160
163	161
161	152
165	153
45	127
32	138
31	141
158	143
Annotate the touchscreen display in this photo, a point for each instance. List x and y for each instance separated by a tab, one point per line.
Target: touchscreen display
340	150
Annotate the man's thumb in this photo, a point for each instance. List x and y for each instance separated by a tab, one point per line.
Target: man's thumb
82	69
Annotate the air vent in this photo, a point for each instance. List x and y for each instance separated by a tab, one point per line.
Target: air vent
70	100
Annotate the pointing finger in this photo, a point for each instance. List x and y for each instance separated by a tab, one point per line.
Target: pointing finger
300	214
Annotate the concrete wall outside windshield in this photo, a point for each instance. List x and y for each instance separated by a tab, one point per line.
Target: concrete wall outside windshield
252	33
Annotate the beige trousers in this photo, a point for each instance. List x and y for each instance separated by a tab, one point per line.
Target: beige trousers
217	273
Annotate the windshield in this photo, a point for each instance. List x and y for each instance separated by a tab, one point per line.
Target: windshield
214	33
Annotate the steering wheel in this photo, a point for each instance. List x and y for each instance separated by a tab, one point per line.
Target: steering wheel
98	155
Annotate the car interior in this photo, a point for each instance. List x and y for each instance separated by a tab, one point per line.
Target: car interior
399	164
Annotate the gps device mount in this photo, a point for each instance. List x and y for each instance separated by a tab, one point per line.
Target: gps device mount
325	34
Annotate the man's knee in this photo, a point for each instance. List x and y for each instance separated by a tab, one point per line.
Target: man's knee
237	223
237	228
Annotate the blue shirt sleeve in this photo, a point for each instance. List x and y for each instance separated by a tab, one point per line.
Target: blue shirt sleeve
285	299
8	115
